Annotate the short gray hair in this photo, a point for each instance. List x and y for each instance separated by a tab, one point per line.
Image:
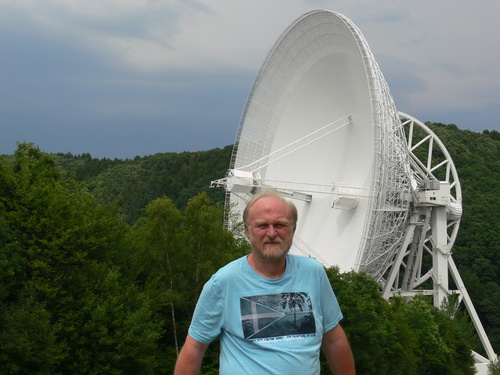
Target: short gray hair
270	192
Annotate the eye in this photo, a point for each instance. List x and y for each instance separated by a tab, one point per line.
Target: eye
280	226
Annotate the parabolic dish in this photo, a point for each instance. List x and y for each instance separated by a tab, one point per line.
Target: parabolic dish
320	124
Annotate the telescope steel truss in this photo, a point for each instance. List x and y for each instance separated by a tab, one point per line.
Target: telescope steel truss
431	231
412	205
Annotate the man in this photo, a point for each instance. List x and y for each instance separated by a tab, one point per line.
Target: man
272	310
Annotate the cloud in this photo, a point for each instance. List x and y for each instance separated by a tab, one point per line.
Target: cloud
113	67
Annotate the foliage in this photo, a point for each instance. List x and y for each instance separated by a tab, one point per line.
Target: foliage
137	182
83	293
476	250
113	327
364	312
176	254
102	262
494	368
399	336
27	338
59	286
51	222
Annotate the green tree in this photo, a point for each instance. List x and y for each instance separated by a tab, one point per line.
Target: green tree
365	320
436	354
113	327
176	254
400	336
64	307
161	257
477	159
494	368
27	338
135	183
54	224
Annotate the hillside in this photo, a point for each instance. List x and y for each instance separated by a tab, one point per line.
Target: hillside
136	182
180	176
102	261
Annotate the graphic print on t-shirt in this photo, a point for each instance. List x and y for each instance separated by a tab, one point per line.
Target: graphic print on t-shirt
277	315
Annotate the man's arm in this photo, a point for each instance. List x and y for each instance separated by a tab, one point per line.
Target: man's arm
190	357
338	351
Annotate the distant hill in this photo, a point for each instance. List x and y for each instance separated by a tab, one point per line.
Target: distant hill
136	182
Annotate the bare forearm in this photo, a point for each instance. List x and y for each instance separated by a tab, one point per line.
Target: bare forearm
190	358
187	365
338	352
341	361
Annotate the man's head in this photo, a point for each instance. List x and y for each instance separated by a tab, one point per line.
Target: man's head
270	223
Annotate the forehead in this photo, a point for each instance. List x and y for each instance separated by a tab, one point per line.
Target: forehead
267	208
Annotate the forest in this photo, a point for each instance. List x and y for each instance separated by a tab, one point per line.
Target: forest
102	262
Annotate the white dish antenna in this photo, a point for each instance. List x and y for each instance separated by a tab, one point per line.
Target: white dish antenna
320	125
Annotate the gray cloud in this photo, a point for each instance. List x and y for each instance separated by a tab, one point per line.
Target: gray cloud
126	78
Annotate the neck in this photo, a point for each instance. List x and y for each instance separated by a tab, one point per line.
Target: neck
271	269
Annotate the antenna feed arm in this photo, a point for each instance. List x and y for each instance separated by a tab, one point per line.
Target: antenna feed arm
239	182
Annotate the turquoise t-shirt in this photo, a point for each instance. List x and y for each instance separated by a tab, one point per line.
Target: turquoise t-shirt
267	326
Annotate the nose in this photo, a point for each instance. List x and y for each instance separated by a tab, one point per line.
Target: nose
271	231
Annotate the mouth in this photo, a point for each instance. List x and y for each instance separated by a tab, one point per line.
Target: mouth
273	248
272	243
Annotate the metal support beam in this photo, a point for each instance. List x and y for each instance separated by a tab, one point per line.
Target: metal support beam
440	254
472	311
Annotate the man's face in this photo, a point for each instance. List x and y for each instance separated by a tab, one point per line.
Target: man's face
270	229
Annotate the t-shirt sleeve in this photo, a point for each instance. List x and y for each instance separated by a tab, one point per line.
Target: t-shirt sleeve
332	314
208	314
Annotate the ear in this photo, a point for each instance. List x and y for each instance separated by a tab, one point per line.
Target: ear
246	229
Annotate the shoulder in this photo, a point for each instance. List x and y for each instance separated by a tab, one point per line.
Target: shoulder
309	268
229	270
220	280
303	261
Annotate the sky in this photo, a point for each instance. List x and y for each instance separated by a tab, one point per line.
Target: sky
126	78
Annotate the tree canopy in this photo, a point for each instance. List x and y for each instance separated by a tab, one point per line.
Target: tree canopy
102	262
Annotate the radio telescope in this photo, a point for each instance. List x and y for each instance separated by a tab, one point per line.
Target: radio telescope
375	189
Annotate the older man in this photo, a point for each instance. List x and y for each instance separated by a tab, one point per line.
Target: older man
273	311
